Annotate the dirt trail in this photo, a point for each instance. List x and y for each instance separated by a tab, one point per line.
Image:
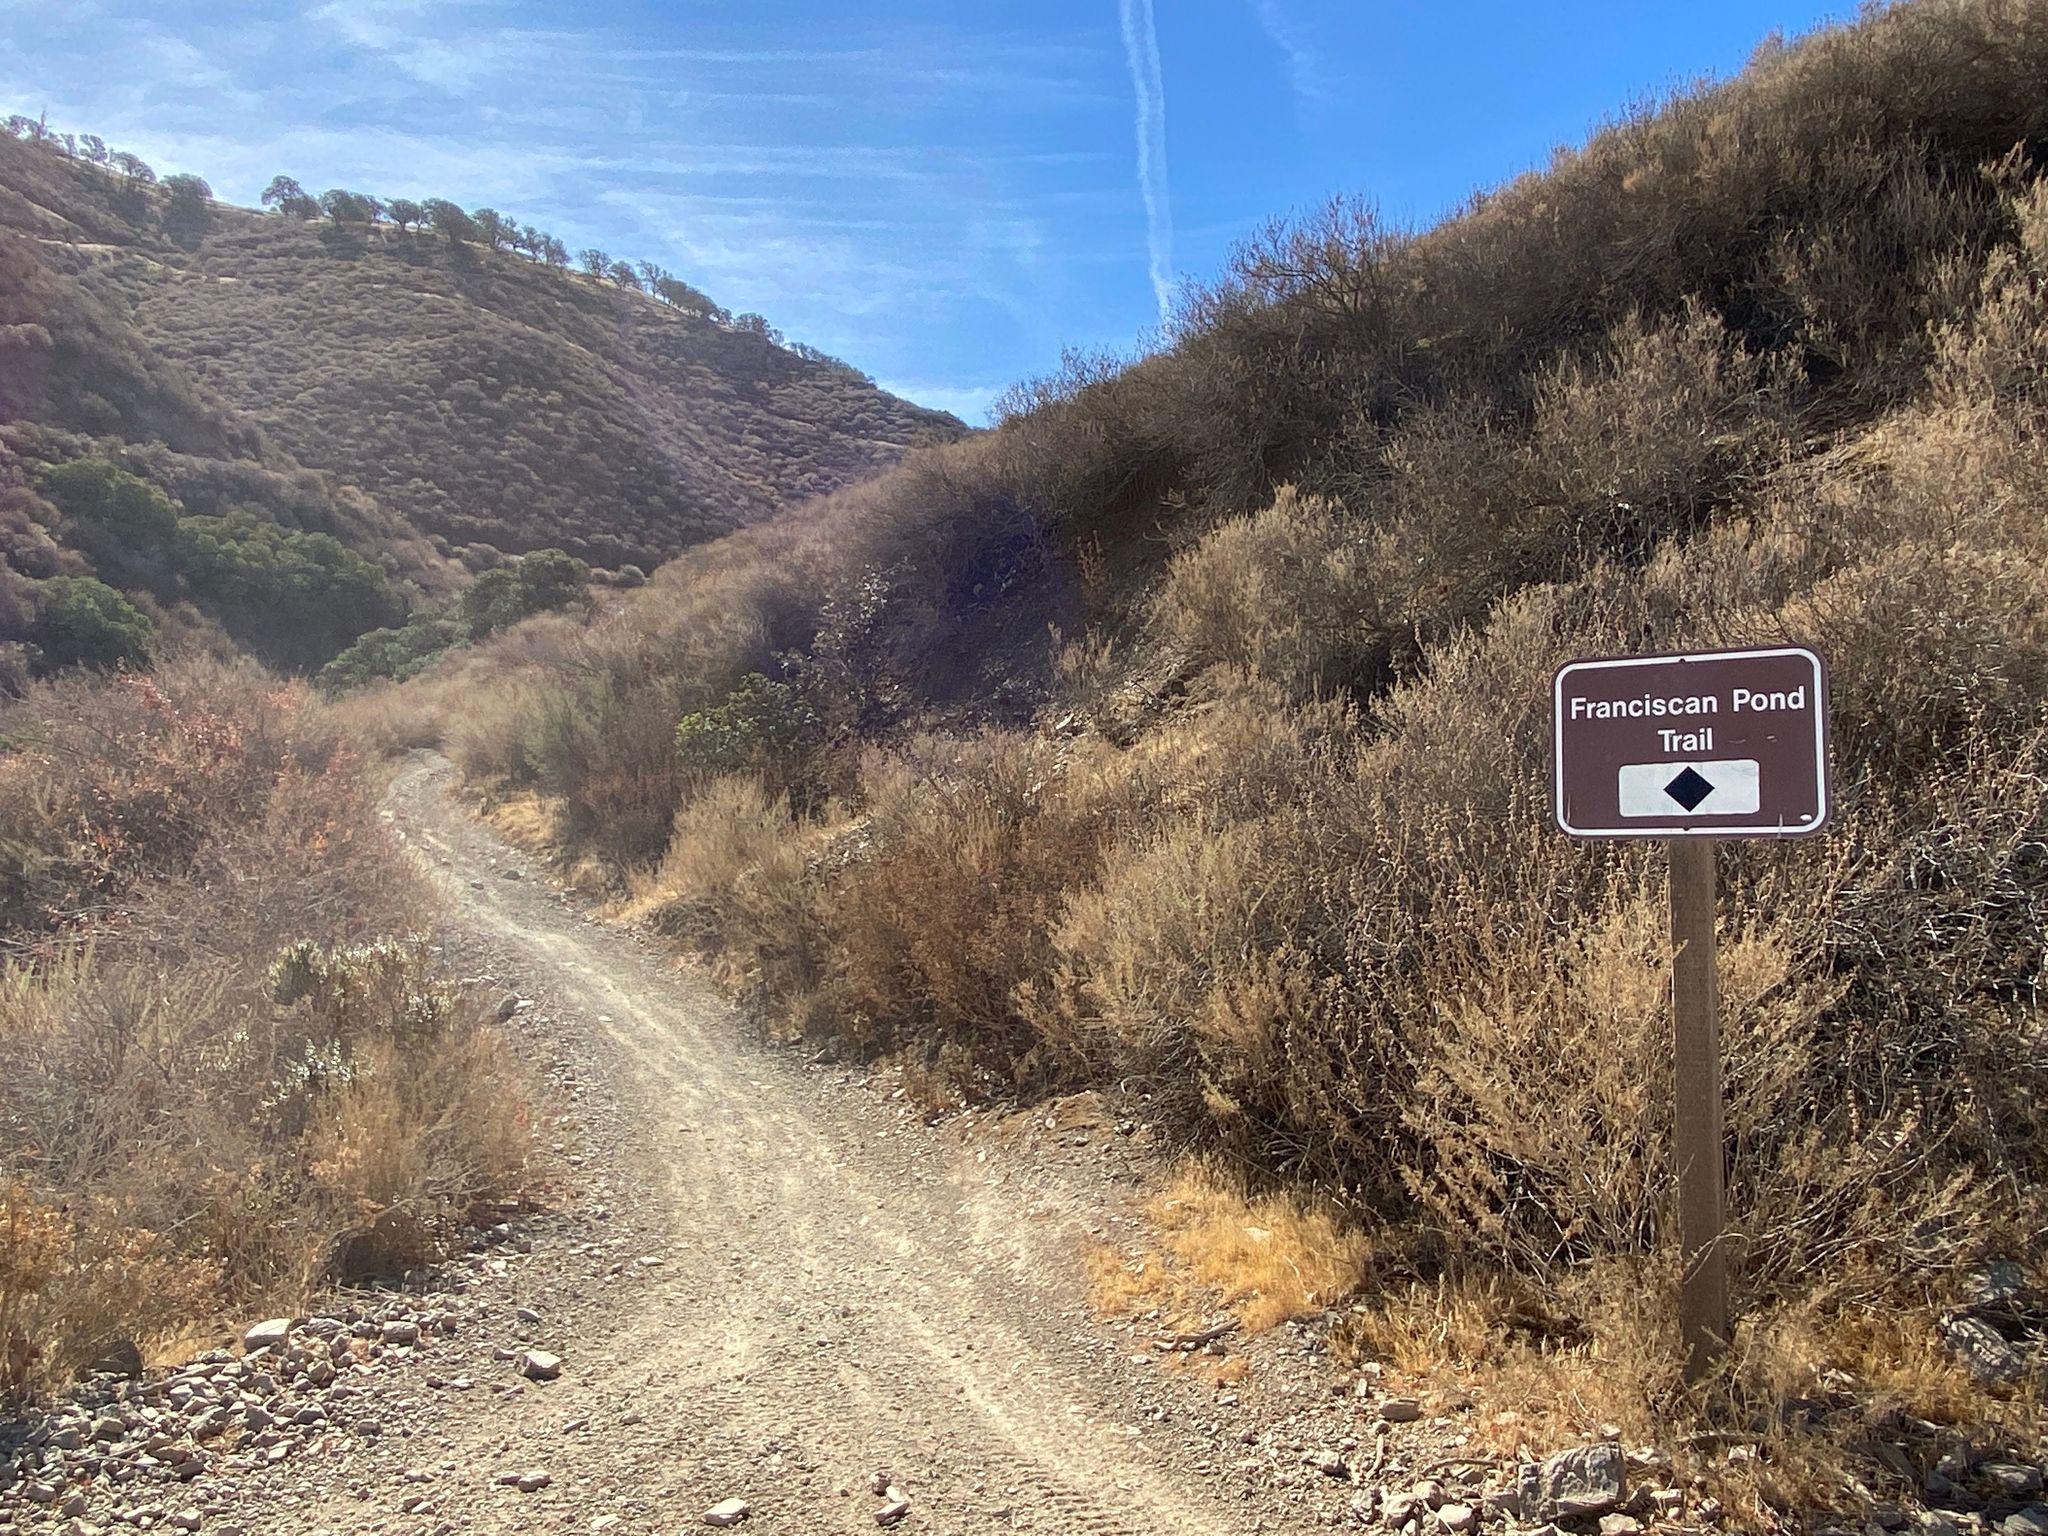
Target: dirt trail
839	1289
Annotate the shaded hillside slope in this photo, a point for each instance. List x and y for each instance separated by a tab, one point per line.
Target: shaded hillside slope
1261	835
79	378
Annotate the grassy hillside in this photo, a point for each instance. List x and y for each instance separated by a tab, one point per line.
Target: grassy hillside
1260	832
432	403
492	400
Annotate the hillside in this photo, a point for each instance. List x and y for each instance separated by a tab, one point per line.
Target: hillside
493	400
428	399
1261	837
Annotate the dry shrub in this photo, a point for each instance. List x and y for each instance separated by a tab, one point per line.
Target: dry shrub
76	1287
384	720
971	845
739	885
210	1142
1393	974
1296	593
1645	438
403	1158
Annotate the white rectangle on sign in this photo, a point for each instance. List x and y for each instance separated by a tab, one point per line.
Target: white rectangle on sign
1728	788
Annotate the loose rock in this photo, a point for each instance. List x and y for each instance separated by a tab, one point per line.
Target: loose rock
2015	1479
728	1512
1587	1481
1329	1463
1985	1352
268	1335
539	1365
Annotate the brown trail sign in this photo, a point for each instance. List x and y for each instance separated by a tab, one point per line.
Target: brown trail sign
1692	748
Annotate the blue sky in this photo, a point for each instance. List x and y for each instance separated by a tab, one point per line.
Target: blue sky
945	195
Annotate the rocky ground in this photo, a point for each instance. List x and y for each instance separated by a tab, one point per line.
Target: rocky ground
774	1296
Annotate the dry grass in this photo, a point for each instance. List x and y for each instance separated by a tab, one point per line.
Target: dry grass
526	821
1789	1422
1266	1259
218	1087
1270	1258
385	720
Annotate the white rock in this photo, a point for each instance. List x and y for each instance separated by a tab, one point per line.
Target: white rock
728	1512
539	1365
2015	1479
268	1335
1329	1463
1588	1481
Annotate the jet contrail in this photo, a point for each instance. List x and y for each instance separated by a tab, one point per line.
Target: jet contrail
1141	48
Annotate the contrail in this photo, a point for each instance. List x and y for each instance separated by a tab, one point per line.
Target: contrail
1141	48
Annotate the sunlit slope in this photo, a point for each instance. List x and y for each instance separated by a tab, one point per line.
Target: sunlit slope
476	396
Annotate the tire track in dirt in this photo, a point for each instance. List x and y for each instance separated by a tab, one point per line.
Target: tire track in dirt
833	1286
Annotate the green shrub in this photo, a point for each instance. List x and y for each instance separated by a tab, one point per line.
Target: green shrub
121	506
81	622
540	582
123	523
392	654
294	598
764	727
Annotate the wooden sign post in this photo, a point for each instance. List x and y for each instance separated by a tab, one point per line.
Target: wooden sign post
1696	1133
1692	749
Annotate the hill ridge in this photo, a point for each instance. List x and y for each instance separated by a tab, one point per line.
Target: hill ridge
454	404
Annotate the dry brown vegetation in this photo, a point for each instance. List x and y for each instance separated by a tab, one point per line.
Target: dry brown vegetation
1269	843
227	1071
492	400
456	394
1266	1259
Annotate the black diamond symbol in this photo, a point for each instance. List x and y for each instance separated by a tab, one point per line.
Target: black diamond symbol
1689	789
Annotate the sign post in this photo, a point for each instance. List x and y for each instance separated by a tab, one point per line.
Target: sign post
1691	749
1696	1132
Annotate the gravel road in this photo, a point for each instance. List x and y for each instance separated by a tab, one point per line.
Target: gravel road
840	1292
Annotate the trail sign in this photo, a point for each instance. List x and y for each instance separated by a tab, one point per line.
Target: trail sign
1714	744
1692	748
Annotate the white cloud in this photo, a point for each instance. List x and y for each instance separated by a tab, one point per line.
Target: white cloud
1304	66
1141	50
972	403
407	35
